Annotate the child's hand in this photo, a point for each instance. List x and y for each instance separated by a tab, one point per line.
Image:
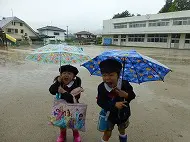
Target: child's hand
61	90
121	93
120	105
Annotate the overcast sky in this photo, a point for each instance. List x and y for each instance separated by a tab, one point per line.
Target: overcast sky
77	14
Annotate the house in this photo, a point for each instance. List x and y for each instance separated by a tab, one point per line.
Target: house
85	35
17	28
164	30
70	36
54	34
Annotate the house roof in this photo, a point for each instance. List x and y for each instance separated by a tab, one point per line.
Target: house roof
51	28
84	33
6	20
44	36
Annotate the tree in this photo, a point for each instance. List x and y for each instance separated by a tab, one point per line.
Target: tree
176	5
166	7
180	5
138	14
123	14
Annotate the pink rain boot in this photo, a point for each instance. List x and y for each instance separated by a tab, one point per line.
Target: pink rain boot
76	136
62	136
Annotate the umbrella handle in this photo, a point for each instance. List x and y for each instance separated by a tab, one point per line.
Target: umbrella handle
123	69
60	60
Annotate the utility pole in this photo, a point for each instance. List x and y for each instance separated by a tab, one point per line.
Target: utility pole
67	32
12	12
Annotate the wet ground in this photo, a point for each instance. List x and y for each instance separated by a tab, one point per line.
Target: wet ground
160	112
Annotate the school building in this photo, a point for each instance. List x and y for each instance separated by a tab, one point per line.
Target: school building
165	30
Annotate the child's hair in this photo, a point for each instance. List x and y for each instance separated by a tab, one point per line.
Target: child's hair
56	78
110	65
66	68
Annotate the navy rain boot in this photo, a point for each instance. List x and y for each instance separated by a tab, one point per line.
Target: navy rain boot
123	138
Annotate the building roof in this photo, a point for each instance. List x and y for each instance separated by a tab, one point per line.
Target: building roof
42	36
148	17
6	20
162	23
51	28
84	33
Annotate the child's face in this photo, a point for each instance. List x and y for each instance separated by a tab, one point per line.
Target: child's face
67	77
68	113
110	79
80	116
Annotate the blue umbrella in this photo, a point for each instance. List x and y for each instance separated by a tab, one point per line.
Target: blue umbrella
137	68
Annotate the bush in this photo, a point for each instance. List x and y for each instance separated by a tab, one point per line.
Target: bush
24	42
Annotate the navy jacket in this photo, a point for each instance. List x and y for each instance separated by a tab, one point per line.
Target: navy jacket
108	103
66	96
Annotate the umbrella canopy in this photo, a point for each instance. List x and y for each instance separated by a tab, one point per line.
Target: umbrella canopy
137	68
58	54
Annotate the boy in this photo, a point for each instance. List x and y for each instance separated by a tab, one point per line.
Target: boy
114	99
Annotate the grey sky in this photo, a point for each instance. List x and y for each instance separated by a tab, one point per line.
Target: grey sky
77	14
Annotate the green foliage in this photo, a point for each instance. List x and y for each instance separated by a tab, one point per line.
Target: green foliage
176	5
166	7
123	14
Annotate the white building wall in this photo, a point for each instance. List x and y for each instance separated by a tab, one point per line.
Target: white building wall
182	41
108	29
84	36
187	46
61	35
19	34
147	44
108	25
169	40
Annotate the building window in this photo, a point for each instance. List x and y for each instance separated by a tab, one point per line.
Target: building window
175	35
120	25
175	41
16	30
182	21
187	38
115	38
9	30
157	23
136	38
13	23
56	33
123	38
175	38
21	24
78	36
157	38
21	31
137	25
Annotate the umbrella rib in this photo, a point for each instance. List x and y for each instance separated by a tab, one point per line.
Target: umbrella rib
134	69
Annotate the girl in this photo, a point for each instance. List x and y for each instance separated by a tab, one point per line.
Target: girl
69	86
